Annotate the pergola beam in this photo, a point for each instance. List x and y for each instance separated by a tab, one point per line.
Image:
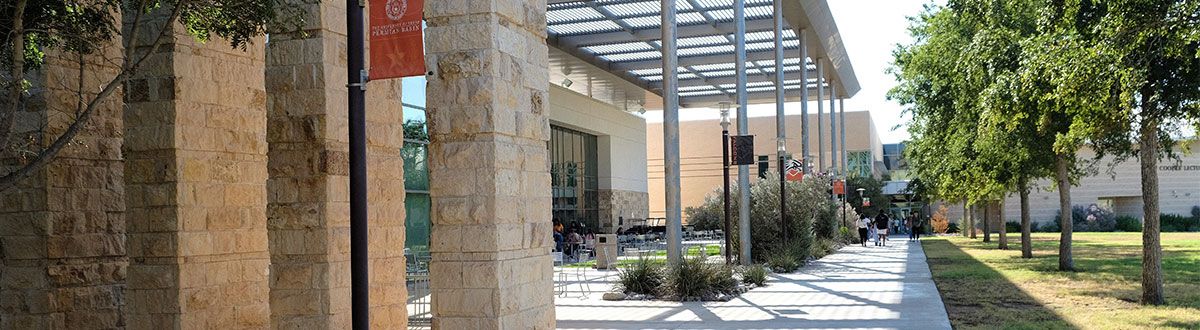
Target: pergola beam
760	55
767	96
728	80
689	31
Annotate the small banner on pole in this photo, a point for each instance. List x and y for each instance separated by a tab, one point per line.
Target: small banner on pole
839	187
795	170
397	46
743	149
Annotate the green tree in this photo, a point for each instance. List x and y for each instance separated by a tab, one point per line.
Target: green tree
1156	44
872	190
84	28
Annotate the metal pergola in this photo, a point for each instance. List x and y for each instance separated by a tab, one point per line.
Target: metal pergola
623	38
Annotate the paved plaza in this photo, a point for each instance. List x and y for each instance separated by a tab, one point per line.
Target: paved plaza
855	288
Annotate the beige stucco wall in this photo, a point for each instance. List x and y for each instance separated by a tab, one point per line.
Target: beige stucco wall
620	136
620	148
1179	189
700	151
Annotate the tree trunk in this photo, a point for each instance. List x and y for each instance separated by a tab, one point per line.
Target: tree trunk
971	224
987	222
1152	276
1003	225
9	112
962	224
1065	261
1026	240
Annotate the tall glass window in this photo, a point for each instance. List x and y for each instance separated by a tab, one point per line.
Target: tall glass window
859	163
574	177
416	169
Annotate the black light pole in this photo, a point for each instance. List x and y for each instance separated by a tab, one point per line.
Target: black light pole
725	179
356	76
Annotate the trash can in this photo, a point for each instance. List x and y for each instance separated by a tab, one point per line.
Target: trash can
606	251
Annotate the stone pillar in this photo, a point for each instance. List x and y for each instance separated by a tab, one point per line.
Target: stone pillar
491	234
195	175
62	230
309	209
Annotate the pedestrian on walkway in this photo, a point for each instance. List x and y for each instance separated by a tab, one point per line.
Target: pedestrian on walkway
919	227
862	229
881	228
911	222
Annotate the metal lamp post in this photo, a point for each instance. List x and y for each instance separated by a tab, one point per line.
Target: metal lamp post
725	178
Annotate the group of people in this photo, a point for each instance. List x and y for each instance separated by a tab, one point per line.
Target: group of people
569	240
876	229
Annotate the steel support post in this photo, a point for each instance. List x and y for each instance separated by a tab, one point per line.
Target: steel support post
743	128
820	116
805	152
671	133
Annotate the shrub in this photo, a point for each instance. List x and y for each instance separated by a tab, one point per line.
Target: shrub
694	279
1129	224
642	277
1013	226
783	262
755	274
710	215
822	247
1091	218
1050	227
846	237
1175	222
807	200
939	222
953	229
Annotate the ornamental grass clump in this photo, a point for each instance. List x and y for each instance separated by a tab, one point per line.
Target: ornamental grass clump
642	277
755	274
693	279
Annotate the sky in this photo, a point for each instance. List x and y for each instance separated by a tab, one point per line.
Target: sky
870	31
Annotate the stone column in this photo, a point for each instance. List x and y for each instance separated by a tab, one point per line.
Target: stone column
62	230
195	175
491	234
309	209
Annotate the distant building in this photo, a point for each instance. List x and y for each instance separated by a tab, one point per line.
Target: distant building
1114	186
700	153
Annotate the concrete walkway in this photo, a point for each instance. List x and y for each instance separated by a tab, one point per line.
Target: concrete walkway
855	288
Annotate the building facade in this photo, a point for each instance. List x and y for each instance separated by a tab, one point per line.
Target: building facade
1116	186
700	152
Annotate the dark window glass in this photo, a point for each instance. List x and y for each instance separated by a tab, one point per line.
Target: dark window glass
574	177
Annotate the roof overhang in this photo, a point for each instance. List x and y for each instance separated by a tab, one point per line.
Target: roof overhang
609	49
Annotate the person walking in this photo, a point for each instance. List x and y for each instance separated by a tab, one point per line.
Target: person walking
881	228
919	227
911	223
862	229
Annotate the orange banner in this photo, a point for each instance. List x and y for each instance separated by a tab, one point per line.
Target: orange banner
839	187
397	48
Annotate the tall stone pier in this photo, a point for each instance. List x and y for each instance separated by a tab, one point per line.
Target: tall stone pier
62	229
195	178
309	212
487	104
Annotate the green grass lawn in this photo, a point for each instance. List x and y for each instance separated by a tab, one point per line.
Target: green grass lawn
986	288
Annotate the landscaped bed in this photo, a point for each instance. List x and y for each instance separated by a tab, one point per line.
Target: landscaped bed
986	288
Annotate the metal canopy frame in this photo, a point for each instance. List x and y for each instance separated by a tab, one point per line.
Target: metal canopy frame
623	37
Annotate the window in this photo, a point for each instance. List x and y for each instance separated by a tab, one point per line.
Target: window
574	177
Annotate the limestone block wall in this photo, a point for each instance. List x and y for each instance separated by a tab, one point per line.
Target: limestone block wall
195	178
309	218
617	204
62	230
487	105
